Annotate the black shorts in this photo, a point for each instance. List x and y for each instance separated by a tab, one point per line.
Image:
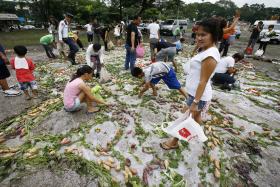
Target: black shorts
4	72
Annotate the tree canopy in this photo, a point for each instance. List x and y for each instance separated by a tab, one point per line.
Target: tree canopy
115	10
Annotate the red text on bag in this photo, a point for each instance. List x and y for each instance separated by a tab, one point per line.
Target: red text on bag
184	132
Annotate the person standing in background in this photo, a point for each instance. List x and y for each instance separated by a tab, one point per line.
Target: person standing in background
228	30
266	38
104	33
63	34
117	34
132	42
53	26
96	30
178	31
154	31
255	35
4	74
89	32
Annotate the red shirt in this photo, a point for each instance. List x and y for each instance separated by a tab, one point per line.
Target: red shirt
24	75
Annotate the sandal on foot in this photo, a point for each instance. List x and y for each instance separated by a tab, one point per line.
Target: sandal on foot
97	110
164	146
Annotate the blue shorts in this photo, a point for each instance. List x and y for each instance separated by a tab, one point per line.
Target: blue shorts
24	85
169	79
201	104
75	107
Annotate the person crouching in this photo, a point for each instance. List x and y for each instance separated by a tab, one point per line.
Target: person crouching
48	43
225	71
76	92
153	74
94	58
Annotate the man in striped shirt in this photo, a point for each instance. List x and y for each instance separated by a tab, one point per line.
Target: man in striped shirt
153	74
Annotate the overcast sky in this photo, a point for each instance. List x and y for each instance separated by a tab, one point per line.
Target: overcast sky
240	3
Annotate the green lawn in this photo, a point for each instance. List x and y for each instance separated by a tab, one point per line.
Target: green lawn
26	37
32	37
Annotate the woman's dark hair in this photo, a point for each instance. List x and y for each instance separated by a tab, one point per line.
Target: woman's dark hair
81	71
20	50
135	17
222	20
214	27
135	72
96	47
271	26
238	56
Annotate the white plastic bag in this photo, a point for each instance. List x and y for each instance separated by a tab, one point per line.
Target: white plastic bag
259	52
185	128
55	52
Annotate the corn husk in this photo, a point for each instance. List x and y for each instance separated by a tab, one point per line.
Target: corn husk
252	133
217	164
217	173
7	155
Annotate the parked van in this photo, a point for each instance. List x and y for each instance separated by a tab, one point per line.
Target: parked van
168	26
266	23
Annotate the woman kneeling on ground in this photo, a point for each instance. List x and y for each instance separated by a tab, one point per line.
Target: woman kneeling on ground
202	69
76	92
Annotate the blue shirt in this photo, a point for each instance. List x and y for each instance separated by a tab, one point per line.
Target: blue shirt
179	45
2	50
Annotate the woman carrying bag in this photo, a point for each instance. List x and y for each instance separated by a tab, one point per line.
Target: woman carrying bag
202	68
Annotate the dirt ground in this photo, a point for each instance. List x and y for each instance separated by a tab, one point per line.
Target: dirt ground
42	145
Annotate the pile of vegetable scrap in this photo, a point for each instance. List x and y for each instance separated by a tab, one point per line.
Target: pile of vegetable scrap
254	91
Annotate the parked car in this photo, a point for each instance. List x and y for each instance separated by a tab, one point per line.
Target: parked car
168	26
28	27
143	27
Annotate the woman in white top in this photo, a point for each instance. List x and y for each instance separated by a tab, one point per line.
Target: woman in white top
89	32
117	34
266	38
202	67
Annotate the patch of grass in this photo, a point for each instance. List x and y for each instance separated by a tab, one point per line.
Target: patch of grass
175	157
119	156
227	176
140	133
21	37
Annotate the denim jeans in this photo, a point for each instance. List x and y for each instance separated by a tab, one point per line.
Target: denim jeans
73	49
223	78
130	58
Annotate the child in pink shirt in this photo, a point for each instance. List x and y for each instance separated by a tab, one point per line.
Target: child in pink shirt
24	71
77	92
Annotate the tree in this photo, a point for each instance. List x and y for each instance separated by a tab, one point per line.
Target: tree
7	7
